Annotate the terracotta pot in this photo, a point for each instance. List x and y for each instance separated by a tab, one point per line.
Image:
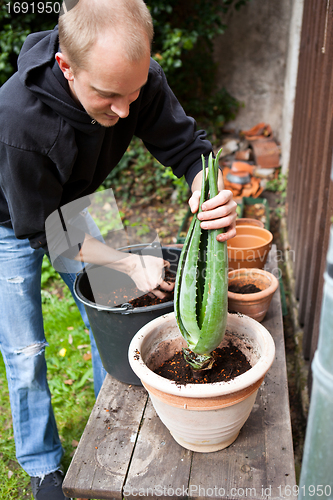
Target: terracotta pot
242	166
249	222
202	417
250	247
266	153
255	304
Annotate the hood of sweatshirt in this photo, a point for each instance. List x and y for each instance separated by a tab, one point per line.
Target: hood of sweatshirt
40	73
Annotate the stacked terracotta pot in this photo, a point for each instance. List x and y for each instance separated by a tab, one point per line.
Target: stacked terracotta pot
247	253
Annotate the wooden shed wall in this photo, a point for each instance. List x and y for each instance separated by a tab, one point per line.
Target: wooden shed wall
310	190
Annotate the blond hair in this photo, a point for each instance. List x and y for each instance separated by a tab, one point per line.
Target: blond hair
79	28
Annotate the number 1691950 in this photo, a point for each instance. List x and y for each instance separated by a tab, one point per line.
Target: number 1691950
33	7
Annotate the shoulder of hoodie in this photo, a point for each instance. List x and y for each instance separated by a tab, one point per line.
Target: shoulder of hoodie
26	122
156	83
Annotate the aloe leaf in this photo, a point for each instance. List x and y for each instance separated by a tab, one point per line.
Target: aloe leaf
201	282
212	322
189	278
188	289
208	269
179	274
215	319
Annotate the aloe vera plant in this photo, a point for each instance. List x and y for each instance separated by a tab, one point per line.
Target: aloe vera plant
201	289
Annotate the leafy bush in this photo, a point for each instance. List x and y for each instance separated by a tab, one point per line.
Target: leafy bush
279	186
184	34
139	174
15	27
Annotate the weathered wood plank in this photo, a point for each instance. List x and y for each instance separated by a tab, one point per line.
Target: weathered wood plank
309	210
308	187
280	469
100	464
237	471
159	467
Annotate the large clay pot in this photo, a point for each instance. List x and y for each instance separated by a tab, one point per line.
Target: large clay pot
202	417
255	304
250	247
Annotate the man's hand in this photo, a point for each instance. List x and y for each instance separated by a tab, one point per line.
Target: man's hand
147	273
217	213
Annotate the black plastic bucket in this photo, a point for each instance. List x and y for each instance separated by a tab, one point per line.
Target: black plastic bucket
114	327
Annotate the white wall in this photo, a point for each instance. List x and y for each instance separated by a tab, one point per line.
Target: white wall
290	81
257	57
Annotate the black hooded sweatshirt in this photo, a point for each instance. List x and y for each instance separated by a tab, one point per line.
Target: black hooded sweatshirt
52	152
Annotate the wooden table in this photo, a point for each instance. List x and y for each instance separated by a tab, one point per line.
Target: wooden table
126	452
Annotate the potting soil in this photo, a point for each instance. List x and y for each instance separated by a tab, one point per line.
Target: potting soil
113	297
247	288
229	363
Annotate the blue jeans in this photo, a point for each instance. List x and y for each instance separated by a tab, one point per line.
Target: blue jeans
22	342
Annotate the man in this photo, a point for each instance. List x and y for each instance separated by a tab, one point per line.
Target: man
67	117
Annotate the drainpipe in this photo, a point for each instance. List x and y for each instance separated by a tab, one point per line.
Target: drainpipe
316	479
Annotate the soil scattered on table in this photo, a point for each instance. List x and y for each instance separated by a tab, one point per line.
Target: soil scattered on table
247	288
229	363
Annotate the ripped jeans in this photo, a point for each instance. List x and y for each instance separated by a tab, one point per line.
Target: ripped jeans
22	342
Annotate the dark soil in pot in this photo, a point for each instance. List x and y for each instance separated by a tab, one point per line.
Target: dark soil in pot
247	288
113	297
229	363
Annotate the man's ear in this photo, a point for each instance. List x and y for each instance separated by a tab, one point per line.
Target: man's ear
65	66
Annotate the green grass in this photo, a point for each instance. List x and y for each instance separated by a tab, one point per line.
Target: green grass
71	384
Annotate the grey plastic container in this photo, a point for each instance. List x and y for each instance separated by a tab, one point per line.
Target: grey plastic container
114	327
316	479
